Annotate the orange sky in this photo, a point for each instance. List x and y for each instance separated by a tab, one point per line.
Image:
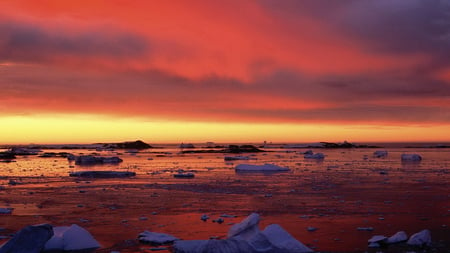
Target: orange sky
265	70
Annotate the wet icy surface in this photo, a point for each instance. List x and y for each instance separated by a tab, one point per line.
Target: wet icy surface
349	189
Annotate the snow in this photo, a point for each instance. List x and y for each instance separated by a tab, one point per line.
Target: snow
411	157
156	238
71	238
261	168
421	238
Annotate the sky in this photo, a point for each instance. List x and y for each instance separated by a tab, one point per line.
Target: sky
82	71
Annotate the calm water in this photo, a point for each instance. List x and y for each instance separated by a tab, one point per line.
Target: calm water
348	189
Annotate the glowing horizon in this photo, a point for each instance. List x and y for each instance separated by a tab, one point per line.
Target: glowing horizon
205	70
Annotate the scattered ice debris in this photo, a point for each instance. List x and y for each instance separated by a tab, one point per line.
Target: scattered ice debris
246	237
318	156
411	157
397	237
30	239
204	217
156	238
380	153
102	174
6	210
311	229
91	160
365	229
259	168
228	216
218	220
73	238
184	175
234	158
143	218
422	238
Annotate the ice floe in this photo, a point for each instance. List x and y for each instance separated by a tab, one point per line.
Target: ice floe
102	174
156	238
411	157
318	156
259	168
91	160
400	236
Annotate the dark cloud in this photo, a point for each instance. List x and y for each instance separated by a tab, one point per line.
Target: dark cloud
150	94
29	42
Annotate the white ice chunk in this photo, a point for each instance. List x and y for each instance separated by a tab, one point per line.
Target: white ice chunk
71	238
156	238
397	237
282	240
246	228
318	156
421	238
377	238
411	157
259	168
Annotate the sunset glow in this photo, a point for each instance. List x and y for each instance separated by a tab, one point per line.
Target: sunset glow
224	71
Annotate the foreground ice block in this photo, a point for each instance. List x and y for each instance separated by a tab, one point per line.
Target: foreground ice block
245	237
71	238
422	238
30	239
